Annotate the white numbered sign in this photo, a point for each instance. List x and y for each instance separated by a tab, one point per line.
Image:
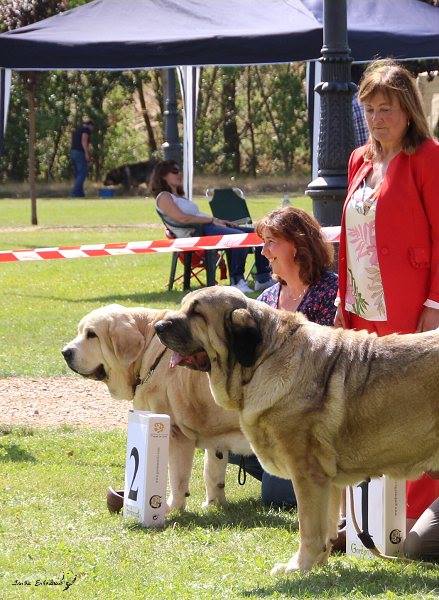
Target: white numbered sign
386	517
146	467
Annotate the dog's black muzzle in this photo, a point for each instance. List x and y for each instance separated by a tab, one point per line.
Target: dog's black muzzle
175	334
68	354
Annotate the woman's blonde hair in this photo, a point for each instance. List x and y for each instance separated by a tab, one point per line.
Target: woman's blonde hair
394	81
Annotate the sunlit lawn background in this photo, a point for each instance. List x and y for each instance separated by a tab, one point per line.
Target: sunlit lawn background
53	518
42	302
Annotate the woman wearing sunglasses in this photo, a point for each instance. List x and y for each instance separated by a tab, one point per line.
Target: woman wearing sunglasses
176	210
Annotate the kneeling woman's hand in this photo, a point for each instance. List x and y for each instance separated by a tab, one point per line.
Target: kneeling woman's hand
429	319
220	222
339	320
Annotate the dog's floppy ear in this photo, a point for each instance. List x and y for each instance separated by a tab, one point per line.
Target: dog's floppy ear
246	336
127	341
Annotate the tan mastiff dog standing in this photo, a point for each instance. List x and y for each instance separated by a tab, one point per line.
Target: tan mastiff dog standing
118	346
323	407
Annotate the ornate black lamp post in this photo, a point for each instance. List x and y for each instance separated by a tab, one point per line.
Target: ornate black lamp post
336	139
172	148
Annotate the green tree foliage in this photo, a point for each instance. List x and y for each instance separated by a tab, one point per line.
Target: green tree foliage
19	13
125	138
252	120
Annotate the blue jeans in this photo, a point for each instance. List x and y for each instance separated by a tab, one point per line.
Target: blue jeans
239	255
80	171
275	491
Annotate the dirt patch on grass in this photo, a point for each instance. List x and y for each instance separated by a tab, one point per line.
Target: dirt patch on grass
55	401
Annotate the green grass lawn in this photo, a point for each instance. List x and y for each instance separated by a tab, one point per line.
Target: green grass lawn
42	302
120	211
54	521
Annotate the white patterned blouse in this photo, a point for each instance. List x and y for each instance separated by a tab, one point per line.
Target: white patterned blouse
364	293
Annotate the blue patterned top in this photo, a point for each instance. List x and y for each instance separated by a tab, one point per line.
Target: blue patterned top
317	304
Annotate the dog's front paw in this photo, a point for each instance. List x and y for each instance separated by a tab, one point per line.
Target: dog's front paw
214	502
279	569
285	568
175	504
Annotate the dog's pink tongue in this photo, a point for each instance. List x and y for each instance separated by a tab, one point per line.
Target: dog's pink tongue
176	359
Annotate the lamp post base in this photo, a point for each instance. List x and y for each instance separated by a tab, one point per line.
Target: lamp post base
328	194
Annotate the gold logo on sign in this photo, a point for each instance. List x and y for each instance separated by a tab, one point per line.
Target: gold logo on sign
158	427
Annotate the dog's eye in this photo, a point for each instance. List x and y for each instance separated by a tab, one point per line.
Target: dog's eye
91	334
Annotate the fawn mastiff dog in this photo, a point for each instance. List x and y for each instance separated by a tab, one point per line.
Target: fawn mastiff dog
323	407
119	346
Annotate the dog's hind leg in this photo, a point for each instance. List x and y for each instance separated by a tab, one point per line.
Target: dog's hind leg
333	514
215	463
313	501
181	455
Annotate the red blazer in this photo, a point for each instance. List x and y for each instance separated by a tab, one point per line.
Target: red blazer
407	232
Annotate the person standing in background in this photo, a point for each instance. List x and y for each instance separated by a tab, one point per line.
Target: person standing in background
361	132
80	156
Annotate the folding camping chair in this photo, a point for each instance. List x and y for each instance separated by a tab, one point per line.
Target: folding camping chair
195	262
230	205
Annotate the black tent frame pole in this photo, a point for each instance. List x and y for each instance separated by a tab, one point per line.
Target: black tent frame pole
336	137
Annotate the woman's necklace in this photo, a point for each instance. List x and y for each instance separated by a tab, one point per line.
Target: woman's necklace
286	299
363	204
300	296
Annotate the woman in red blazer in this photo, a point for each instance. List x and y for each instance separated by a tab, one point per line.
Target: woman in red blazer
389	243
407	236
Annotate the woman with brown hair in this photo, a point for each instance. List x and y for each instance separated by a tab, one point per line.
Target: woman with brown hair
389	243
301	261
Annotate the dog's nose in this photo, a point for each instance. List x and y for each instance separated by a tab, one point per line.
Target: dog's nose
67	353
162	326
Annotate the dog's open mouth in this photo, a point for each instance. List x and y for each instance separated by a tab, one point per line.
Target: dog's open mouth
198	361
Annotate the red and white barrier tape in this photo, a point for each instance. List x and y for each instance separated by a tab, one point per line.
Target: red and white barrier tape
209	242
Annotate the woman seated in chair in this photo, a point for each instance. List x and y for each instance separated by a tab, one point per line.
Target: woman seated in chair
176	210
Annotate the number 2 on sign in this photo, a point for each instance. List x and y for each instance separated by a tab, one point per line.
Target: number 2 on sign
132	494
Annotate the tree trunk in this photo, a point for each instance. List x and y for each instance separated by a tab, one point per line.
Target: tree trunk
230	128
285	154
31	89
253	159
157	76
56	144
210	88
151	138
